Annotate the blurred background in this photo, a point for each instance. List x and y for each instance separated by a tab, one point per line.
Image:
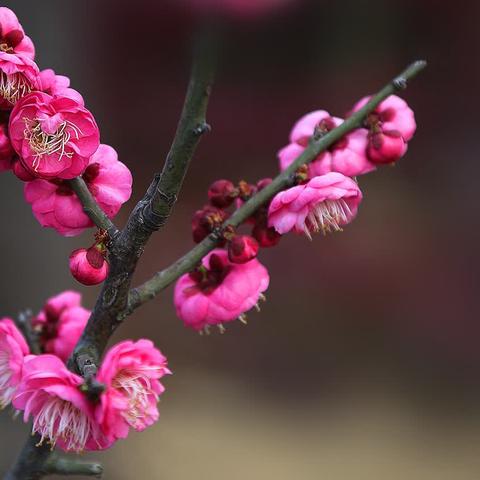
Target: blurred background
364	362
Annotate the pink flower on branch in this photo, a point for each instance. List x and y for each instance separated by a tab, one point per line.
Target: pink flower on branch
54	137
60	323
62	415
347	156
55	205
323	204
131	372
13	350
219	291
57	86
88	265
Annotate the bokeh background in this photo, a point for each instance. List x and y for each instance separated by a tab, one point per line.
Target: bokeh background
364	362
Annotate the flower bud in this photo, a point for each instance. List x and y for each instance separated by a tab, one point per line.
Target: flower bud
242	249
386	147
222	193
204	221
265	236
88	266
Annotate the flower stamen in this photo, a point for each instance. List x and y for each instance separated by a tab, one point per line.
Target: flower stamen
13	87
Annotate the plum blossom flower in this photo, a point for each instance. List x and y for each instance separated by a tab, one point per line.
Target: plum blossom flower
323	204
57	86
18	71
60	323
89	266
54	136
13	350
131	372
62	415
6	150
55	205
242	249
391	126
219	291
347	156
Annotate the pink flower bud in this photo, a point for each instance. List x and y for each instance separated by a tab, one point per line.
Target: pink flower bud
222	193
242	249
386	147
88	266
265	236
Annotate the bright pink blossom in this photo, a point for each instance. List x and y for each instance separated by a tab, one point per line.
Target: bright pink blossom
55	205
323	204
13	350
54	137
60	323
131	372
88	266
57	86
6	150
391	126
18	71
62	415
219	291
347	156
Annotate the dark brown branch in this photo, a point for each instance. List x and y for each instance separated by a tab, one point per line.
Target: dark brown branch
163	279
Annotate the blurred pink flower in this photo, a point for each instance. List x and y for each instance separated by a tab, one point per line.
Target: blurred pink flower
88	266
347	156
55	205
6	150
62	414
60	323
219	291
323	204
391	126
57	86
54	137
131	372
13	350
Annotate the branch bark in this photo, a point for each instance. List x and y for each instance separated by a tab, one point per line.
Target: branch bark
142	294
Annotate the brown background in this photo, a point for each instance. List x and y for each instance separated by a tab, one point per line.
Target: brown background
364	363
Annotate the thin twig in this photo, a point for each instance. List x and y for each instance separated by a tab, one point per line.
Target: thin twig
142	294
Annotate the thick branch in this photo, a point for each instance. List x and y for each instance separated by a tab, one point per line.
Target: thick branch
163	279
91	207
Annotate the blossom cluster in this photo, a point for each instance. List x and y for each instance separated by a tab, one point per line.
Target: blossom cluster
325	197
53	397
48	137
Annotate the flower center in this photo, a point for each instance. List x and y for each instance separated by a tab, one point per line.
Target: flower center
6	390
327	217
44	143
136	386
207	280
13	87
59	419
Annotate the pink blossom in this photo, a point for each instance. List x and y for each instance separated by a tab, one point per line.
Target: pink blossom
222	193
347	156
57	86
62	415
18	71
6	150
323	204
88	266
13	350
391	125
60	323
54	137
55	205
219	291
131	372
242	249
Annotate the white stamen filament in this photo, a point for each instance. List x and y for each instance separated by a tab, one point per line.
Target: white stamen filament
327	216
14	87
6	390
47	144
59	419
136	386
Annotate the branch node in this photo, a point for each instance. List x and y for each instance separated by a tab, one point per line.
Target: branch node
400	83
